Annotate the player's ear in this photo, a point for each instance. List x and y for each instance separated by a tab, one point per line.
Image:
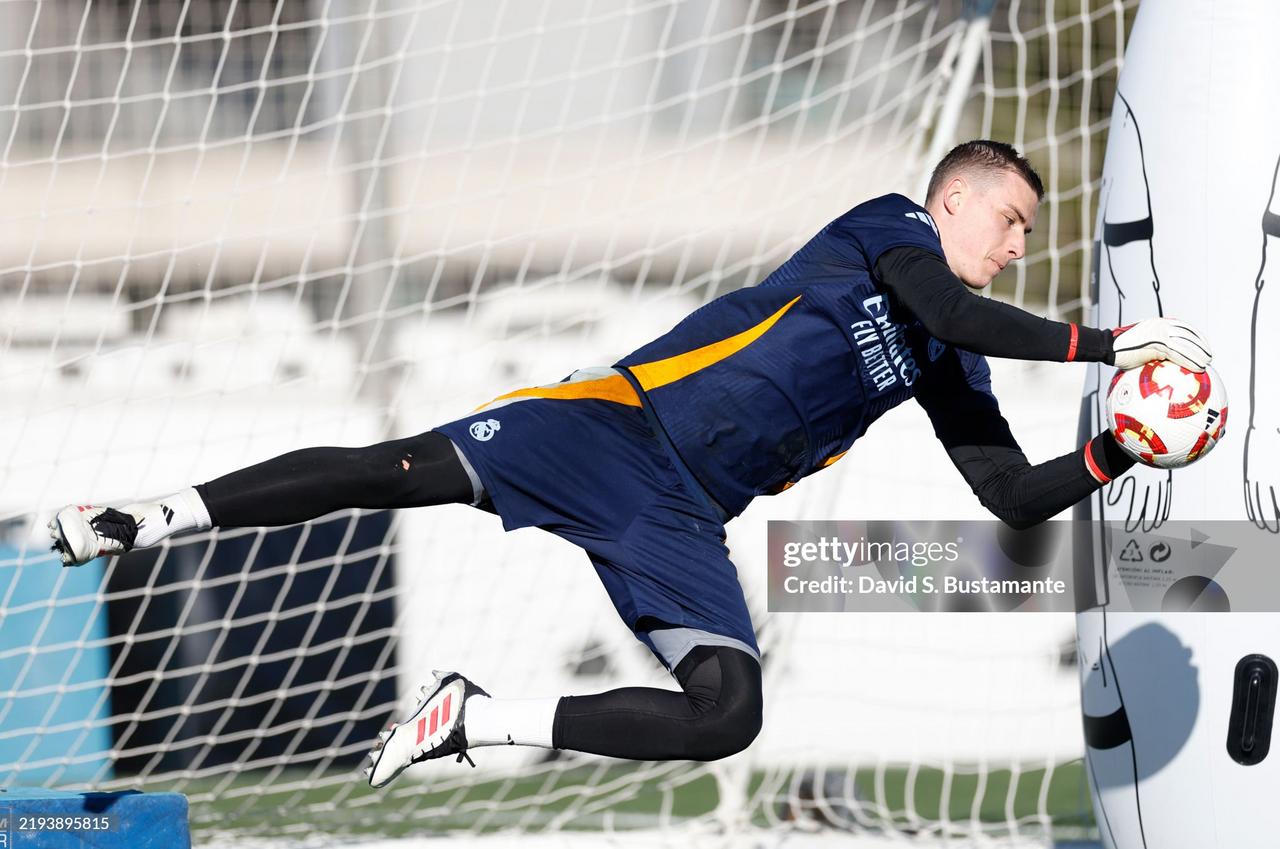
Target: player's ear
955	193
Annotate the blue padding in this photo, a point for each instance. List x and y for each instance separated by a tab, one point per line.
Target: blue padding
54	665
55	819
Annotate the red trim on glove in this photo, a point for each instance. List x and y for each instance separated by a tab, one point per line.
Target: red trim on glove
1075	340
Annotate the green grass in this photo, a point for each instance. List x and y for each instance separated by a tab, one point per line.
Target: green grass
615	796
993	796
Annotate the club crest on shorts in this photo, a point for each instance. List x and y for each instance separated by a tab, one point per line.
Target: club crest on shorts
484	430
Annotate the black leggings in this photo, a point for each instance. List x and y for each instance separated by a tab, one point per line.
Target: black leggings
717	713
301	485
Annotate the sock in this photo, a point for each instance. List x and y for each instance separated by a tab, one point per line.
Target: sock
158	520
510	722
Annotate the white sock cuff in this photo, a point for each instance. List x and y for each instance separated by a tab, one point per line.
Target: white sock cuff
196	508
502	722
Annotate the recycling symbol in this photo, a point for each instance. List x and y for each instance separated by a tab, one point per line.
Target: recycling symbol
1131	552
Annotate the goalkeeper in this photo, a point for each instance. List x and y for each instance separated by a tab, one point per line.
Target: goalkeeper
642	464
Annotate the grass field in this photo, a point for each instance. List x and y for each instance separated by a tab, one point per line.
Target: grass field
609	796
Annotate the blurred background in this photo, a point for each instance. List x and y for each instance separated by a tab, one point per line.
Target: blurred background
238	227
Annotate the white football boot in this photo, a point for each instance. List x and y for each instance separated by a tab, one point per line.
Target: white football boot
82	533
435	729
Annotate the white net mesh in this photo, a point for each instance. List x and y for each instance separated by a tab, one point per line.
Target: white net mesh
236	228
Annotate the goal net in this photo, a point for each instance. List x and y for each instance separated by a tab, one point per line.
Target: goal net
234	228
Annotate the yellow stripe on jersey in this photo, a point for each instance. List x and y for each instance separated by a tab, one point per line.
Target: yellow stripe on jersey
661	372
613	388
825	463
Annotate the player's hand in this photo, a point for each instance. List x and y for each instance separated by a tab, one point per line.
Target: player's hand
1161	339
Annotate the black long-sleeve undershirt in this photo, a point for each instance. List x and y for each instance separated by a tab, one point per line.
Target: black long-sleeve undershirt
1006	483
922	283
977	437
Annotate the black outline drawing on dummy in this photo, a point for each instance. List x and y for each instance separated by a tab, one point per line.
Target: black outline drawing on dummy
1107	732
1262	439
1144	494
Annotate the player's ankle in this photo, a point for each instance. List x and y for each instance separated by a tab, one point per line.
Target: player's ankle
158	520
507	722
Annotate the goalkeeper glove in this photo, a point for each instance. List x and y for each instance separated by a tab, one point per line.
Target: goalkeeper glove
1160	339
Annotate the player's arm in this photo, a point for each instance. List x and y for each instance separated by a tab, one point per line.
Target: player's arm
921	281
968	422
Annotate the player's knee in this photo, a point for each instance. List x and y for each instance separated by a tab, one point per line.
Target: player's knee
731	730
725	690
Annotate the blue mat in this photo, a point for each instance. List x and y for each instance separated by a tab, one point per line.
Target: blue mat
56	819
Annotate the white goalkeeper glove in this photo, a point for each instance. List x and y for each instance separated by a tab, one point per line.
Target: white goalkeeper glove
1161	339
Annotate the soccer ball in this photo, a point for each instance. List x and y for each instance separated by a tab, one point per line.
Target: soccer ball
1166	416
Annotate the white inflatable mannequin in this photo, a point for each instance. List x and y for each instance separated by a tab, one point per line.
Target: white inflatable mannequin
1187	196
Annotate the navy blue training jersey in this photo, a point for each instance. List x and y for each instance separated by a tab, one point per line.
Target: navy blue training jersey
766	385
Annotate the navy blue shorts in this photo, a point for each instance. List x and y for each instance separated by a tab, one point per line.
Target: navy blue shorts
584	460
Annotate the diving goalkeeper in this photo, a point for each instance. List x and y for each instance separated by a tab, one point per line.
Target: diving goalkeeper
642	464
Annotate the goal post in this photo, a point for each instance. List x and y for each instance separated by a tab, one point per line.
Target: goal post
235	228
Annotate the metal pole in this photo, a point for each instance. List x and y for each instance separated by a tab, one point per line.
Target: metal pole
368	142
978	17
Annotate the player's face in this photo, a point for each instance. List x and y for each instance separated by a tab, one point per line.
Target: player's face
984	225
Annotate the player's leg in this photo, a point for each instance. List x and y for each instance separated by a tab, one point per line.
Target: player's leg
716	713
579	460
418	471
667	564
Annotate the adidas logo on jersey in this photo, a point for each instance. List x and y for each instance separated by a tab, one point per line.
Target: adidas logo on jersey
926	218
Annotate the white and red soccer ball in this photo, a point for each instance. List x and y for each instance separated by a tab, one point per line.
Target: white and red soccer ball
1166	416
